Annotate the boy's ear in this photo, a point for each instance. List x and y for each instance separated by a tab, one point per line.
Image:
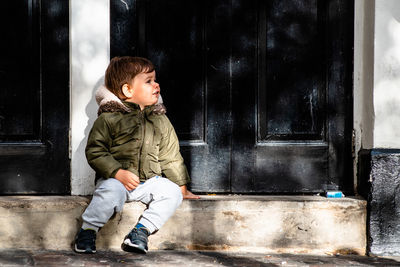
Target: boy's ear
127	90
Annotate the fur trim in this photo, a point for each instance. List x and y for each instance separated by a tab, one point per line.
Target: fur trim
111	106
159	108
108	102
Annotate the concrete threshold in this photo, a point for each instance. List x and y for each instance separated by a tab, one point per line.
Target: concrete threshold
266	224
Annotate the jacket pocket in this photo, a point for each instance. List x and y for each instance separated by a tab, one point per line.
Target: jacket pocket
155	167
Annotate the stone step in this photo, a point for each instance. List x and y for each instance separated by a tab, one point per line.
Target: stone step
270	224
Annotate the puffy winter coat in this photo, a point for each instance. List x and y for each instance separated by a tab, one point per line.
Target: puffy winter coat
141	141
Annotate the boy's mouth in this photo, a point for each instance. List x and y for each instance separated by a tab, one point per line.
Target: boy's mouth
156	93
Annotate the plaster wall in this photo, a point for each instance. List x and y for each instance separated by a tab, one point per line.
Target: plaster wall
364	18
386	97
90	45
379	163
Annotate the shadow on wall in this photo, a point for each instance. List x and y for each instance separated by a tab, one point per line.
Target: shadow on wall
89	26
86	182
367	68
387	74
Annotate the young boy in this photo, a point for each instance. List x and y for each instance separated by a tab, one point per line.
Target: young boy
131	144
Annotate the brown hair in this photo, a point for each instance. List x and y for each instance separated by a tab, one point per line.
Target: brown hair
122	70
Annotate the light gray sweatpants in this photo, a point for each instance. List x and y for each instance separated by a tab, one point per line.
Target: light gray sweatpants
161	196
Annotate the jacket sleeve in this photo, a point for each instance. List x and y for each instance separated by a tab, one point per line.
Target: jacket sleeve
170	158
98	149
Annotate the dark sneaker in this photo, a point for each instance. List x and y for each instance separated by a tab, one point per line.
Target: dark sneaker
136	241
85	242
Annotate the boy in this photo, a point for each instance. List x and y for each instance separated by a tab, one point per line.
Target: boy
130	145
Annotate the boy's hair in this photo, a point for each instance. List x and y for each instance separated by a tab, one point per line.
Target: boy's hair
122	70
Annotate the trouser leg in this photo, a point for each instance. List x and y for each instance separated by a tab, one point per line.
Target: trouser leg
162	198
109	197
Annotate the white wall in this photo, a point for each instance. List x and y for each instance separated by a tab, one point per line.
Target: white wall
387	74
89	26
364	18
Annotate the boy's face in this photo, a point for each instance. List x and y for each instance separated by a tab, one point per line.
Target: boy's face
143	90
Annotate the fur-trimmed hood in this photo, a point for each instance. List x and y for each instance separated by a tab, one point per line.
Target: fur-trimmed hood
108	102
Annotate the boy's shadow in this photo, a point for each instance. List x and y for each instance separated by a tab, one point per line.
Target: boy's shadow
84	183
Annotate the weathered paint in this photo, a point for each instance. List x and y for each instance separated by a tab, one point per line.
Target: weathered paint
383	192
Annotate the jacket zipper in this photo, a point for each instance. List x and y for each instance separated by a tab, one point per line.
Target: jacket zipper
141	116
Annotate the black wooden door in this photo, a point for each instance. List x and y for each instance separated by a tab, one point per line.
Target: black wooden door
259	92
34	97
297	136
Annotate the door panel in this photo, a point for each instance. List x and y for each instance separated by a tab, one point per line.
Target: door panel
291	83
180	61
259	92
34	97
18	73
188	46
289	142
283	147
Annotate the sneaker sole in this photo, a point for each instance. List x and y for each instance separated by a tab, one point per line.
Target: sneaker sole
129	247
84	251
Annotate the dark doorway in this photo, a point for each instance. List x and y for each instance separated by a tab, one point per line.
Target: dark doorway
34	97
259	92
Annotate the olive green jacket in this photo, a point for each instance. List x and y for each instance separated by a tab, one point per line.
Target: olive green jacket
140	141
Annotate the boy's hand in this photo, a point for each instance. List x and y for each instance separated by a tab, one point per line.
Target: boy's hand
187	194
128	179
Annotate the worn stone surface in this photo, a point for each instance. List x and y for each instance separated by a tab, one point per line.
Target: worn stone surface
305	224
48	222
184	258
384	223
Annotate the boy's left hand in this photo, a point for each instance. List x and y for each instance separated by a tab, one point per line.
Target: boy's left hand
187	194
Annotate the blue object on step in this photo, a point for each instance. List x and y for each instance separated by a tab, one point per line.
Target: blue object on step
334	194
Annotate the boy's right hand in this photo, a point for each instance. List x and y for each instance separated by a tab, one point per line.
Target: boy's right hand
128	179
